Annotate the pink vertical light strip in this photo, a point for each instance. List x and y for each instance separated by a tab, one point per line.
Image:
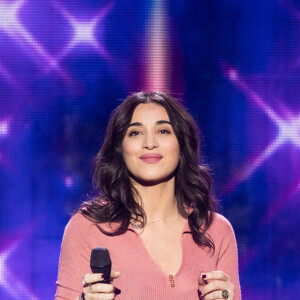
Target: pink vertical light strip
157	49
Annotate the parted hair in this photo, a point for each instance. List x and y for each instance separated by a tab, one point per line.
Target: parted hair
115	198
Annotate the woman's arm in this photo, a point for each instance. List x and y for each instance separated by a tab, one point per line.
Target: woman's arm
226	277
74	278
74	258
228	258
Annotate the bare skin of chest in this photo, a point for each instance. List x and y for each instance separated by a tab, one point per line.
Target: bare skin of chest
164	246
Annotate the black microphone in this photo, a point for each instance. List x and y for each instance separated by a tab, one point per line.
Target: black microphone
101	263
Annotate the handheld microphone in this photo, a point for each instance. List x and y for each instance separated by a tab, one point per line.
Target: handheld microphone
101	263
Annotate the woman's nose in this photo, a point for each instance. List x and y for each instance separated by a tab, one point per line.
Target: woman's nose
150	141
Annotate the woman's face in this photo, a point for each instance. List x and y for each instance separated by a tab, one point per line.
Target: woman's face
150	148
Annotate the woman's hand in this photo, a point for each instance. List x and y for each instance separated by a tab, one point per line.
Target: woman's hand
215	285
93	289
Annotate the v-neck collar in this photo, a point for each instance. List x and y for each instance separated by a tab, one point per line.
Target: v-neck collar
149	257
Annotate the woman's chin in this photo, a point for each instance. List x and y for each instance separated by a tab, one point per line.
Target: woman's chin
151	180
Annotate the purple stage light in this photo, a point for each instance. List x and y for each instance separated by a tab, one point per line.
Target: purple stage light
288	129
69	181
158	54
8	281
8	19
12	26
84	31
9	11
4	128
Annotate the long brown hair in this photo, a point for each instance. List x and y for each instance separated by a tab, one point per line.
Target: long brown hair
115	195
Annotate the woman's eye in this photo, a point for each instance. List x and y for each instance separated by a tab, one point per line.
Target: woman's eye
134	133
164	131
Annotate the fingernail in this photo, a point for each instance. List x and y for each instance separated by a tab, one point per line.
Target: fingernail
203	276
199	292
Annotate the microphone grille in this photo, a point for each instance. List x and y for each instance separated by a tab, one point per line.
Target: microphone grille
100	257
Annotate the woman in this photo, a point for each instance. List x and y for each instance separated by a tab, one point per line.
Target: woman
153	211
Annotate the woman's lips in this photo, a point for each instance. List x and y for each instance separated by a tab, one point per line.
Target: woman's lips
151	158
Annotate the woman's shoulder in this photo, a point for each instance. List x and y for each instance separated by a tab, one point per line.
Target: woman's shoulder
220	224
221	232
81	223
78	219
78	223
220	219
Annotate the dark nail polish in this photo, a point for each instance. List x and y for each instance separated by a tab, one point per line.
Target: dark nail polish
199	292
203	276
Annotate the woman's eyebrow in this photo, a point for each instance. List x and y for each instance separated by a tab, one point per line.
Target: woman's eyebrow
158	123
135	124
163	122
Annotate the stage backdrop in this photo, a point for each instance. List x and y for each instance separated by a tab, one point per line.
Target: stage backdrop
64	65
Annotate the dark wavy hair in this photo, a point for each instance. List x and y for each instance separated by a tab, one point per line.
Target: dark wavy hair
115	196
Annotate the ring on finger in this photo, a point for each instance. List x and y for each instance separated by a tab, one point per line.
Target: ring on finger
83	281
225	294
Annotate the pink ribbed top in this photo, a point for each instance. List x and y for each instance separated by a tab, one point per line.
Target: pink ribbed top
141	278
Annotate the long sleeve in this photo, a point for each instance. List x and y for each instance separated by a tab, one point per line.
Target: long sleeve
228	256
74	259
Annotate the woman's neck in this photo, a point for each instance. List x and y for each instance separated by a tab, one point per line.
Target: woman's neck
158	201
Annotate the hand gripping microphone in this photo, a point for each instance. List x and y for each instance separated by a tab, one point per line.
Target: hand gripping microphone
101	263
